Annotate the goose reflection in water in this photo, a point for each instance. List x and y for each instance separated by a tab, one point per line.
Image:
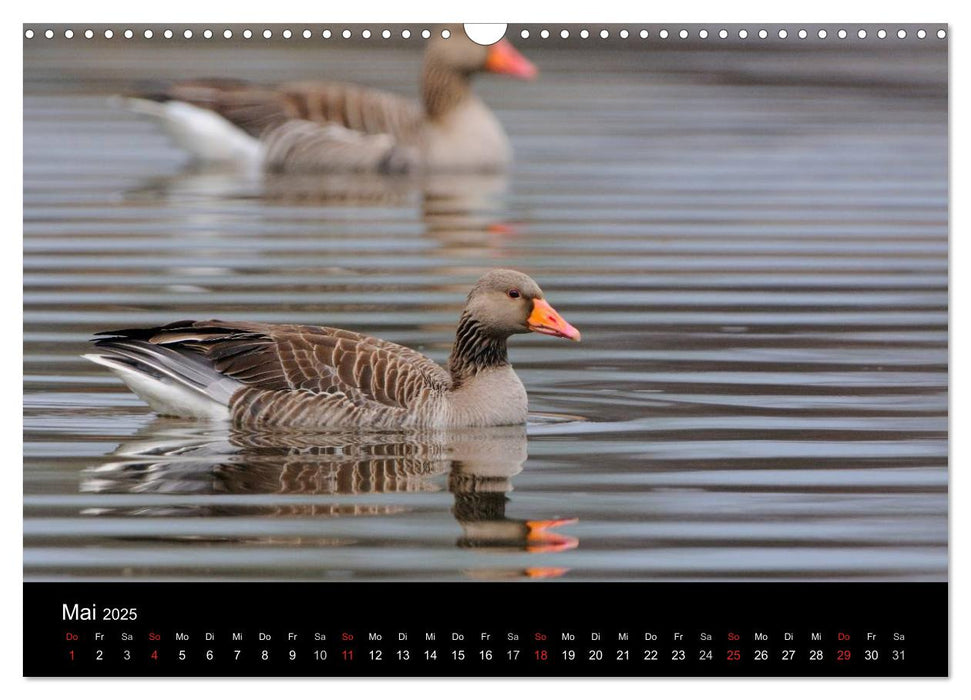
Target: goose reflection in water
457	203
477	465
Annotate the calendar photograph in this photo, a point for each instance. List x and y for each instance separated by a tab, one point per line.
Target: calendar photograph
409	304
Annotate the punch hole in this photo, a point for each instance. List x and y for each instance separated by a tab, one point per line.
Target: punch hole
68	33
841	33
861	34
49	33
604	33
207	34
902	34
783	33
88	34
663	33
743	34
386	34
763	34
247	34
545	34
228	34
267	34
941	34
882	34
921	34
405	33
644	34
346	33
29	34
821	34
167	34
624	33
425	34
129	33
803	33
148	34
524	34
683	34
366	34
485	34
564	34
287	34
307	33
187	34
703	33
723	34
326	34
584	34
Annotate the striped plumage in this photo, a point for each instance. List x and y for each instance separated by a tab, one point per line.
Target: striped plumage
261	375
308	127
256	109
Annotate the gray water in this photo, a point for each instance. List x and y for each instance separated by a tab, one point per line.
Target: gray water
753	243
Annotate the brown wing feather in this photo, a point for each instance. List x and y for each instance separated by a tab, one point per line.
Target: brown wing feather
252	108
301	146
312	359
257	109
360	109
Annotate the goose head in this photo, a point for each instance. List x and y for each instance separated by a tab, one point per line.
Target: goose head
507	302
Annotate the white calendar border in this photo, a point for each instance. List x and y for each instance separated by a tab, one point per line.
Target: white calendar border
698	11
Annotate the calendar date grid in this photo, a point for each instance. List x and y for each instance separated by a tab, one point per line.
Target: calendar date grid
335	650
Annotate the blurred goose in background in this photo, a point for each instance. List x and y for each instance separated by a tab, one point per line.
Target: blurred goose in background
312	127
258	374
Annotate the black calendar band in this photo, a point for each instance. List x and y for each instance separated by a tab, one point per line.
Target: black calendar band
471	629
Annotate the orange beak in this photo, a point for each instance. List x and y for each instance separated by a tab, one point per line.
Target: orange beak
545	320
503	58
540	539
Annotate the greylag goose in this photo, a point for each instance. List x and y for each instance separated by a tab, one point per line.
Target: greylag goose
309	127
260	374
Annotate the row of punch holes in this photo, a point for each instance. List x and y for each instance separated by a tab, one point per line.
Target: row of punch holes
524	34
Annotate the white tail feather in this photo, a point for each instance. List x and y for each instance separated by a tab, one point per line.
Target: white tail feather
201	132
165	396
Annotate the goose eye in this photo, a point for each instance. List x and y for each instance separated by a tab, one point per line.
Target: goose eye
513	293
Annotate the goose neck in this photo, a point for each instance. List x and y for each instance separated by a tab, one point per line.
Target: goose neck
443	89
475	350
